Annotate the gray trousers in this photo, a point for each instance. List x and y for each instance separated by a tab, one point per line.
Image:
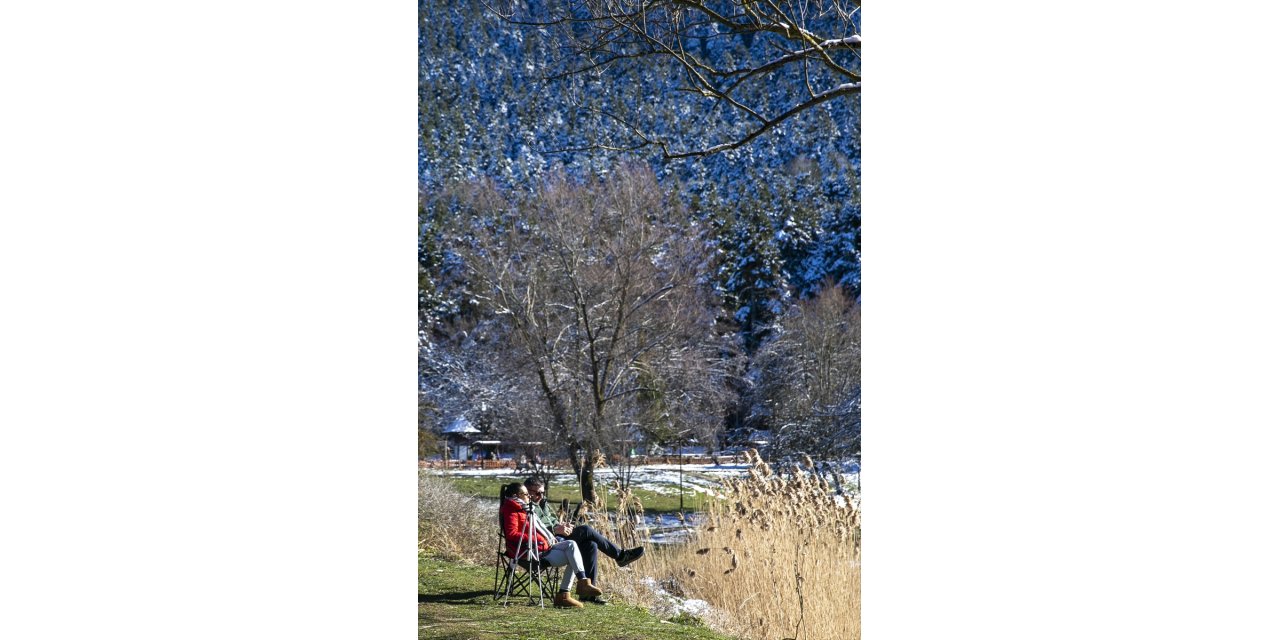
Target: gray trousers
561	554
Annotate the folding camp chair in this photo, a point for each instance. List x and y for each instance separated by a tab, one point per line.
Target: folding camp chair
523	578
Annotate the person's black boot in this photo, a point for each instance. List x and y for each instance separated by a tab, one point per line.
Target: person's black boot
629	555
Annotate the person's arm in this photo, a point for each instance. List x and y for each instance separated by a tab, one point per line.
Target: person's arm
510	524
545	518
543	532
551	522
514	527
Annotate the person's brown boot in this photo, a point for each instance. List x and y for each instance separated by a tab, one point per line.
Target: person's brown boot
588	590
564	600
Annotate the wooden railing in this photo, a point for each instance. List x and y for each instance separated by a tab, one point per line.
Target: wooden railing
467	464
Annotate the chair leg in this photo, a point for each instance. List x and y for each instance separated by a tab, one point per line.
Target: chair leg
509	581
552	582
502	577
497	577
524	580
548	581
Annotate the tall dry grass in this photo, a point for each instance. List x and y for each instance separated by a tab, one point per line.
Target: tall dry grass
453	525
777	557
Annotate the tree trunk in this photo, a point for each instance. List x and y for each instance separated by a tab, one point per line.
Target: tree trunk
585	468
588	477
574	460
584	463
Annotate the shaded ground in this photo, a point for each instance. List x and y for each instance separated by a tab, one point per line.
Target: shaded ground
455	603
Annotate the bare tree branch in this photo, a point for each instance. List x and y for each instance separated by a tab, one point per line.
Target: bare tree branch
590	282
816	45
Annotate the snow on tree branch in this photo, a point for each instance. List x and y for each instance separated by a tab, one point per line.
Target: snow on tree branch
761	62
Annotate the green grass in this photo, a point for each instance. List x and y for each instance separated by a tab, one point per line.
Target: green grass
567	487
455	602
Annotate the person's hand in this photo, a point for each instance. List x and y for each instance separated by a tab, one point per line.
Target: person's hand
563	529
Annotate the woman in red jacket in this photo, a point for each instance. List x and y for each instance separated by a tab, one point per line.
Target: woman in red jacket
515	529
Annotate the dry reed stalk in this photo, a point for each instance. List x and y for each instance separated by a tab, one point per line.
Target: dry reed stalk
625	527
778	555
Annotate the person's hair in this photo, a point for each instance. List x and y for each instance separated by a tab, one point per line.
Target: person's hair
511	490
532	481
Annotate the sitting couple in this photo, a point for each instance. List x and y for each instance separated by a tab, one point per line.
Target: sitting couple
574	545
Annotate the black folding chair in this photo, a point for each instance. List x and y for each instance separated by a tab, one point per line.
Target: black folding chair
522	578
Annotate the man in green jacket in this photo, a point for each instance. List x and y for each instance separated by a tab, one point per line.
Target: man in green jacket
589	540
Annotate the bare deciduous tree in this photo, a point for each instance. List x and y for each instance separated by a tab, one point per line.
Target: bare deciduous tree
810	49
601	290
812	378
467	372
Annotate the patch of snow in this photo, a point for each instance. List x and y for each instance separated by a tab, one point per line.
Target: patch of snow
666	478
696	607
672	605
475	472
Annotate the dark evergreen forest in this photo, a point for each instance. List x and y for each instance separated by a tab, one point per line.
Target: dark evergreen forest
512	147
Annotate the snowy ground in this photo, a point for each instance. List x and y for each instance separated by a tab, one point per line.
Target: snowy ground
666	478
661	478
670	605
